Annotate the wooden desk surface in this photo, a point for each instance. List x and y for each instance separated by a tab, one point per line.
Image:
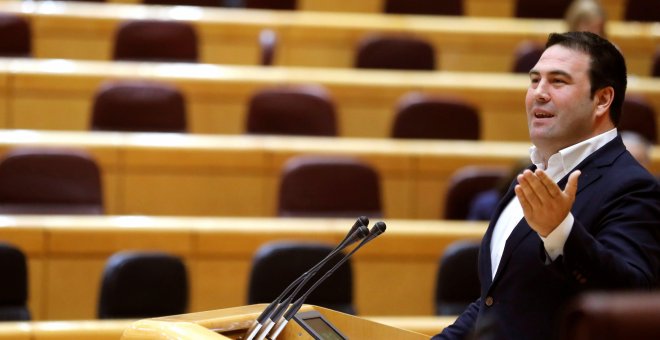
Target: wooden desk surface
66	263
113	329
58	94
308	38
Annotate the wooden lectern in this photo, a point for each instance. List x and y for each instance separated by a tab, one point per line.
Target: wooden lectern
231	323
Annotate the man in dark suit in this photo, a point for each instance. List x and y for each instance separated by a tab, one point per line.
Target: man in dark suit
585	216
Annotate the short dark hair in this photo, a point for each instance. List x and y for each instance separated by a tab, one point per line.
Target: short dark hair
607	66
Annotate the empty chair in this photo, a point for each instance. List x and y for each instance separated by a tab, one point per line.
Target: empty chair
276	264
201	3
138	106
328	186
655	69
155	40
271	4
541	9
395	52
143	284
15	36
292	110
612	315
50	181
639	116
465	184
457	281
14	284
435	117
642	10
424	7
267	46
526	55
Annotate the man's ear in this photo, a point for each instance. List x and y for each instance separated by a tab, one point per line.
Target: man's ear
604	98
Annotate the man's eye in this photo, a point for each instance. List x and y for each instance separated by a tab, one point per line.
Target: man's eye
558	81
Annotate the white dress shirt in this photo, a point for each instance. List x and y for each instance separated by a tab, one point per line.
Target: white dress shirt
559	165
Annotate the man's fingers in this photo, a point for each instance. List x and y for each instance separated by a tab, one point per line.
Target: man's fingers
550	186
525	181
571	185
524	203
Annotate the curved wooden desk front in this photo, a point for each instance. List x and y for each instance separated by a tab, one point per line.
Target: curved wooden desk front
202	175
58	94
67	254
310	38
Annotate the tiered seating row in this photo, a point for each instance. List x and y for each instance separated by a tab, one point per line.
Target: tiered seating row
480	8
58	94
230	36
66	256
174	174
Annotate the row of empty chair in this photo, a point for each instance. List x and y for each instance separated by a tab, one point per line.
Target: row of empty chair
67	256
59	95
639	10
310	110
141	284
309	39
176	41
68	181
240	175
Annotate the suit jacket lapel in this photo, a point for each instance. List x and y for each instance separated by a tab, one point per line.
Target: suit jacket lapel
591	168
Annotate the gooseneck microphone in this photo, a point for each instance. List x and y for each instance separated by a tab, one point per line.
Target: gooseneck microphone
265	320
376	230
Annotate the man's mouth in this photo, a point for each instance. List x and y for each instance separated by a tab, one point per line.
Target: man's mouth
543	114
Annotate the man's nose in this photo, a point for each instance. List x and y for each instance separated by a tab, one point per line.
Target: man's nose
541	91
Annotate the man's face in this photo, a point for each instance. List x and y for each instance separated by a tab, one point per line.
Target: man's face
560	110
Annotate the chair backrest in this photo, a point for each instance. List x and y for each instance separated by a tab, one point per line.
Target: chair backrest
541	9
465	184
655	68
276	264
435	117
138	106
14	284
143	284
156	40
329	186
201	3
424	7
526	55
50	181
612	315
271	4
639	116
457	281
642	10
292	110
15	36
267	46
395	52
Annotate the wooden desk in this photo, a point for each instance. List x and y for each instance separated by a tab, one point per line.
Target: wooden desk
58	94
201	175
67	258
321	39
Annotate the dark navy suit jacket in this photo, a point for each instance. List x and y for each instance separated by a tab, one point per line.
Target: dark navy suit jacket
614	244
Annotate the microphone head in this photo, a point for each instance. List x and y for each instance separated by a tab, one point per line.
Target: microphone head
361	221
377	229
362	232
